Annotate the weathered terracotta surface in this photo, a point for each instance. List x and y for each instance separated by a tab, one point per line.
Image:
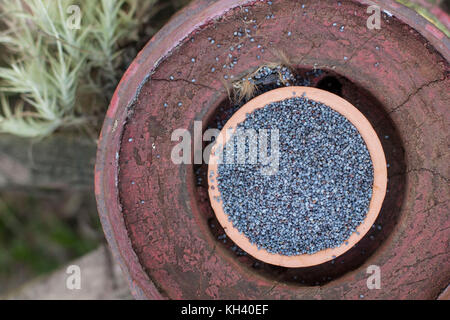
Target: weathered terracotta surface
148	205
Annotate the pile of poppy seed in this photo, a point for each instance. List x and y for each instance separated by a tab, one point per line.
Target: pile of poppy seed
321	191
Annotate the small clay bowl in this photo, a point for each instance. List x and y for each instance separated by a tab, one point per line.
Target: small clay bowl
373	145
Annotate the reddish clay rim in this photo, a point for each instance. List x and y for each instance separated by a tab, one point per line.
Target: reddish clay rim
373	145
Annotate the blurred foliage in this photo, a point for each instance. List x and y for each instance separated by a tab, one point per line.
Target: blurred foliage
48	59
53	75
424	12
38	233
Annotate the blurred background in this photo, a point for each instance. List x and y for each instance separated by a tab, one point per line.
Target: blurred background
60	62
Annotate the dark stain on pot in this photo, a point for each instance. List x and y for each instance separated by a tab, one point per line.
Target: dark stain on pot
155	128
137	157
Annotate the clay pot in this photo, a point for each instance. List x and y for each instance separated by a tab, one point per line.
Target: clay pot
165	246
373	145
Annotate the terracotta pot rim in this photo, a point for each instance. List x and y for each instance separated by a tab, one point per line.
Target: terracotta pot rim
373	145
